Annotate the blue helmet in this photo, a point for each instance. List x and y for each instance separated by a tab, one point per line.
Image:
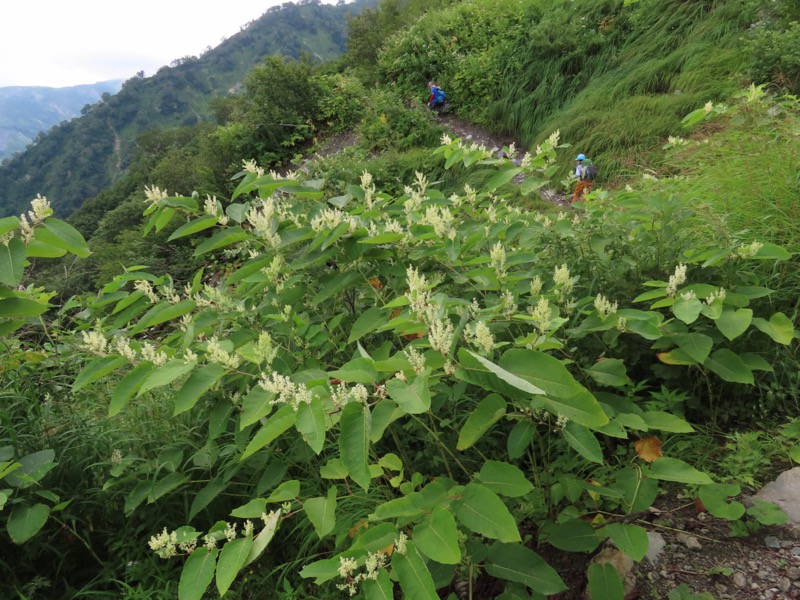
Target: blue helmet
580	157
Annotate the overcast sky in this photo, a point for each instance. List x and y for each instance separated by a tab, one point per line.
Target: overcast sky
58	43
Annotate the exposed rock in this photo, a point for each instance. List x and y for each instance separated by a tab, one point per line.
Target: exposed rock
689	541
655	547
739	580
793	573
785	492
785	584
772	542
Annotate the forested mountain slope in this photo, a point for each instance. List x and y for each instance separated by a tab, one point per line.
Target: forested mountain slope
27	111
78	159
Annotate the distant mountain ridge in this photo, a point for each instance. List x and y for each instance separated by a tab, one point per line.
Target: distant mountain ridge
26	111
75	160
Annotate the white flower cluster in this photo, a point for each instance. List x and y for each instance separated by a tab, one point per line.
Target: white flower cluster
441	219
564	282
144	286
347	571
440	335
166	544
342	395
480	336
40	210
94	342
251	167
153	354
369	189
509	303
330	218
690	295
676	279
536	285
214	297
217	354
603	306
416	358
264	349
154	194
542	315
718	295
286	391
748	250
418	294
498	256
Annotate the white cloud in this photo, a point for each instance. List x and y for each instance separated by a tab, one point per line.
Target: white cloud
60	43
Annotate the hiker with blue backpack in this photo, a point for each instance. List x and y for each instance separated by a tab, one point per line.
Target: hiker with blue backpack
585	173
437	96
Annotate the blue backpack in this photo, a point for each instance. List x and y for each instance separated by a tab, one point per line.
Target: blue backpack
440	95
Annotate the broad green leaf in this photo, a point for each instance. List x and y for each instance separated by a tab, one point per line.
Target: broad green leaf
166	374
279	422
769	251
413	574
696	345
97	368
380	588
198	571
483	512
20	307
673	469
310	423
221	239
520	438
232	558
714	497
574	535
354	442
161	313
729	366
288	490
437	537
583	442
504	479
383	238
767	513
205	496
256	405
193	226
12	262
167	484
374	538
199	382
337	285
779	328
65	236
502	177
359	370
322	512
251	510
639	493
33	467
514	562
367	322
24	522
630	539
7	224
604	582
687	310
611	372
322	570
414	399
564	395
128	386
264	537
733	323
666	422
507	376
489	410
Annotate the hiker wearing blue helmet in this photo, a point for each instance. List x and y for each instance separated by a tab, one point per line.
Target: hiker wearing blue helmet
585	172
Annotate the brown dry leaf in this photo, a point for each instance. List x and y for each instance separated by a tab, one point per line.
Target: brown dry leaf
355	529
415	336
375	282
395	313
389	550
649	448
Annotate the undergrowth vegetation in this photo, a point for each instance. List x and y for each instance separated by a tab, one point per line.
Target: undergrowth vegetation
397	369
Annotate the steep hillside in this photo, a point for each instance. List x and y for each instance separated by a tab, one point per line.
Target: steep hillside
27	111
76	160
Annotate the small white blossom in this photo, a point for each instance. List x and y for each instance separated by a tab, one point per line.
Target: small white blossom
676	279
480	336
603	306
